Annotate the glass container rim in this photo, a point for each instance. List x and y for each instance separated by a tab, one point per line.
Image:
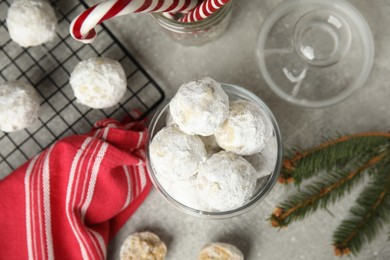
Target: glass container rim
261	194
180	26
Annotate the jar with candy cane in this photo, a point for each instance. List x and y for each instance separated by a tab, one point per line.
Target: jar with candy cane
190	22
198	26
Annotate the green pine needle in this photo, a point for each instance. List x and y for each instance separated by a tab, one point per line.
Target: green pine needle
368	216
325	190
331	157
338	166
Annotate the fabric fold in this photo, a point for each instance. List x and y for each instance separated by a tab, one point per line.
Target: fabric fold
68	201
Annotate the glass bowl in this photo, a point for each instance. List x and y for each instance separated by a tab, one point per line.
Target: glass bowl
315	53
265	184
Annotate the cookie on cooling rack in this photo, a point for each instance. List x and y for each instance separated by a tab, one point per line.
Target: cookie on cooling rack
31	22
98	82
19	105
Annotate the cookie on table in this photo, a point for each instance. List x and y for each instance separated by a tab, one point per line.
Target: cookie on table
143	246
220	251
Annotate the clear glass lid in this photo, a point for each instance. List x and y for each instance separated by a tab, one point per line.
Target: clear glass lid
315	53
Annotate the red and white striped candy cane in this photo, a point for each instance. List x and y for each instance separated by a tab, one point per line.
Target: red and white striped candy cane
204	10
82	27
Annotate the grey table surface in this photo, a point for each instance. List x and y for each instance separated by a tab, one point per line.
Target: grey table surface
231	59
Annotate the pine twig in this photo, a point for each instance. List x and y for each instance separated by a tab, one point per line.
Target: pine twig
343	162
307	202
366	218
336	141
334	152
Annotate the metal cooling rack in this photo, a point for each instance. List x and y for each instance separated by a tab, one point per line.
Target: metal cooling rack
48	68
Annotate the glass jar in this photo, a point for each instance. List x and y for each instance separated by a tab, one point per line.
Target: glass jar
196	33
264	184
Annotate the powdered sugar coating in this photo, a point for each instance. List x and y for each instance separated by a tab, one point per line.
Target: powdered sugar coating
176	155
245	130
19	106
200	107
143	246
98	82
226	181
222	251
31	22
184	191
210	144
264	162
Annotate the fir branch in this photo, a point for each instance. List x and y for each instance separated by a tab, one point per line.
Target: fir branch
342	163
367	217
327	190
334	153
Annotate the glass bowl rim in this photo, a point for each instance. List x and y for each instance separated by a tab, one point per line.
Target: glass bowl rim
259	196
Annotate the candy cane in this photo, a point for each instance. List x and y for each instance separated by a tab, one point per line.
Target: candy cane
82	27
204	10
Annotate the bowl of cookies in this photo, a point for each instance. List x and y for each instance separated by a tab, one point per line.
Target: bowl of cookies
214	149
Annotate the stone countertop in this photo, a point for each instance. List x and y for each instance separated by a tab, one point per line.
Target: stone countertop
231	59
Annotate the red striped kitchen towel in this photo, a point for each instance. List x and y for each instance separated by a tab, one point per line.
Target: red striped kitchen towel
68	201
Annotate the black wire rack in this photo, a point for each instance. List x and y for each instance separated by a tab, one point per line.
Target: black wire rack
48	67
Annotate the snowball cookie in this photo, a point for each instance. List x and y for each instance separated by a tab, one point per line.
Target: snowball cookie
226	181
200	107
98	82
183	191
246	129
220	251
210	144
19	106
143	246
176	155
31	22
264	162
